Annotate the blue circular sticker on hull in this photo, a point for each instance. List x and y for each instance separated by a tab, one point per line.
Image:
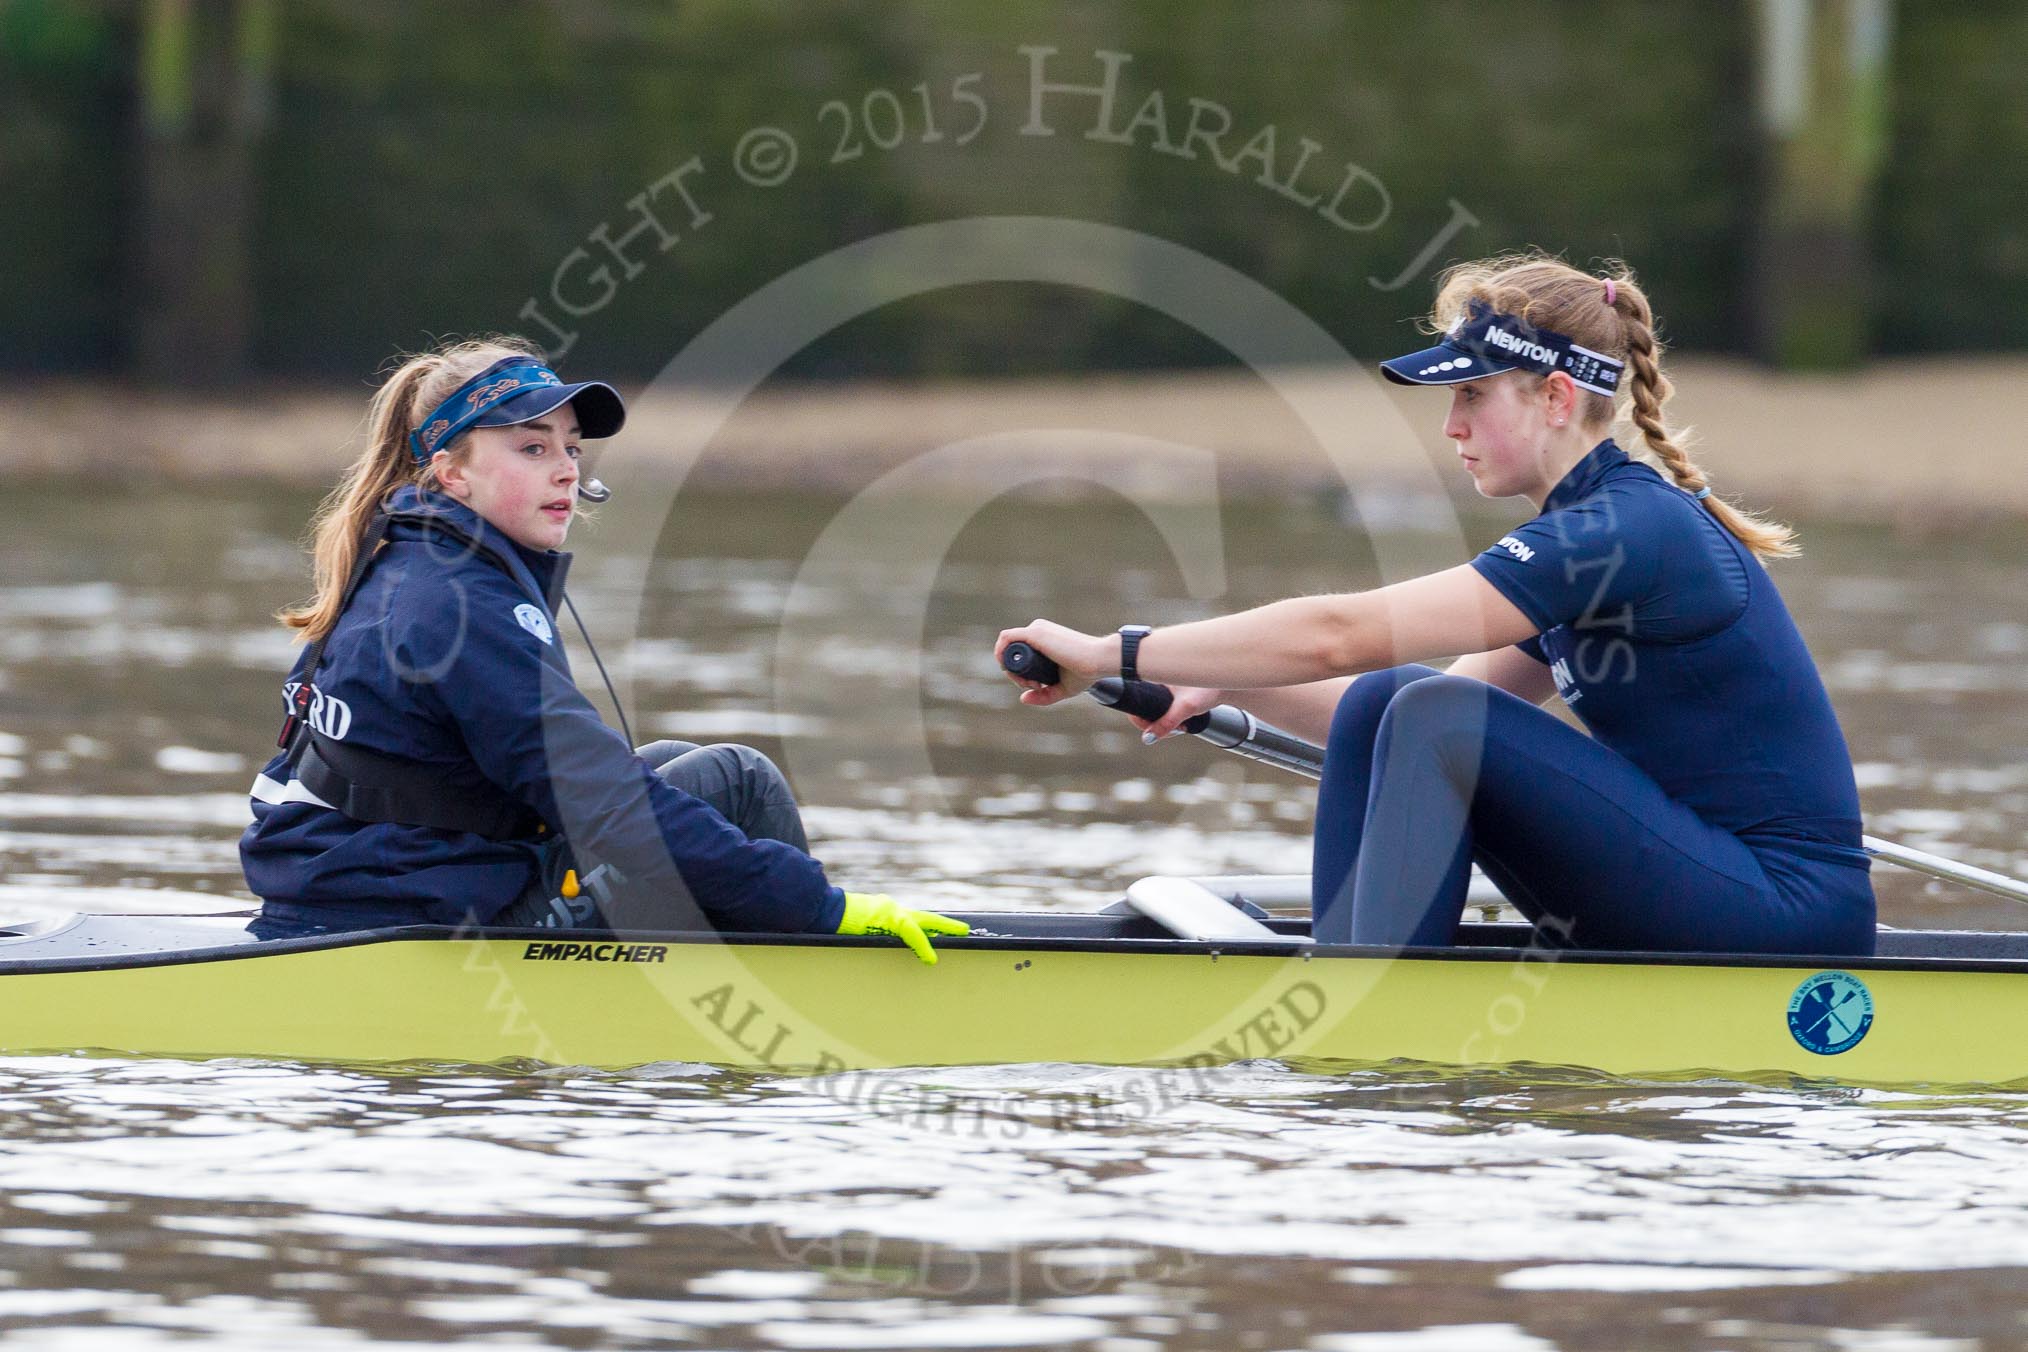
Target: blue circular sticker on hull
1830	1012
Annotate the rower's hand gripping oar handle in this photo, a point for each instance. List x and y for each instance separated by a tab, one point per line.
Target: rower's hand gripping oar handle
1225	727
1142	699
1021	660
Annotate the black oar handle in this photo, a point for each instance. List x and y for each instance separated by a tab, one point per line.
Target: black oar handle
1142	699
1030	665
1225	727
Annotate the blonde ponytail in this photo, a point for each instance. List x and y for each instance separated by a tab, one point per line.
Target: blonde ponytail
405	398
1608	313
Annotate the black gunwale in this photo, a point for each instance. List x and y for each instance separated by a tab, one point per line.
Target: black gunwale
1480	951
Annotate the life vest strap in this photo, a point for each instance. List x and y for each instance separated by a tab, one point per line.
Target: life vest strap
297	719
368	786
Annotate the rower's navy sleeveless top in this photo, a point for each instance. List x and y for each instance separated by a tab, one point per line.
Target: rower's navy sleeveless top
1668	640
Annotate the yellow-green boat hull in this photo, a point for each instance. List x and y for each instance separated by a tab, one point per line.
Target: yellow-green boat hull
832	1005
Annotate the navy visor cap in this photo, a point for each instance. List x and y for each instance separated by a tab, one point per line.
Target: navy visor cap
513	391
600	410
1486	342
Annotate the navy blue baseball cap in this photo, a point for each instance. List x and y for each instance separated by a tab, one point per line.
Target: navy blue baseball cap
1486	342
516	390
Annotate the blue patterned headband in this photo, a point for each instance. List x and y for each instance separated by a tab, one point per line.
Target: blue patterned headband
507	379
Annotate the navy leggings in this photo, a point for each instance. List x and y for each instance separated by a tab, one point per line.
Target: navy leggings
1425	774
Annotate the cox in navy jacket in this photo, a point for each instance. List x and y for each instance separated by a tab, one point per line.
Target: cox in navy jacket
447	656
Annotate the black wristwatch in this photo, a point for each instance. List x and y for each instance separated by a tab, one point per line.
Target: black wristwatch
1130	648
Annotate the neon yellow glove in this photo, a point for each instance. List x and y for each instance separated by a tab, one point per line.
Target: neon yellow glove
878	913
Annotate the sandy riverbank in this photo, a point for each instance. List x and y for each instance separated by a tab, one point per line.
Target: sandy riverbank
1920	439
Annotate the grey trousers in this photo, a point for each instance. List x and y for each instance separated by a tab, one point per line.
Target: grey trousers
745	787
742	785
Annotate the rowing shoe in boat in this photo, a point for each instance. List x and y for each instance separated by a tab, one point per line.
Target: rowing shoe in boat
1189	973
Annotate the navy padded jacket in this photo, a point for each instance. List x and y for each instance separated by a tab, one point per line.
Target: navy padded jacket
447	655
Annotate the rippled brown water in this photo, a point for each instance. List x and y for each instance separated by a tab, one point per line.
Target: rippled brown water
262	1204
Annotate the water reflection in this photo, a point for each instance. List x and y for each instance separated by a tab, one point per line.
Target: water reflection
1276	1209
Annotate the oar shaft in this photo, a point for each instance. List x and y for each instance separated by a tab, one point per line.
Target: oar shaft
1950	870
1225	727
1239	732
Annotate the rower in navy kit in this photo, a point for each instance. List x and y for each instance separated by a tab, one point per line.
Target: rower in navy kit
438	764
1712	808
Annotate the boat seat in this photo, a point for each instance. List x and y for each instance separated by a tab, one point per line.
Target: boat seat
1188	909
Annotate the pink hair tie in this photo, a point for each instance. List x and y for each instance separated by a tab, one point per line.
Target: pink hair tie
1612	293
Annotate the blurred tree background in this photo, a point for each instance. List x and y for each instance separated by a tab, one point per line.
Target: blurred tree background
199	190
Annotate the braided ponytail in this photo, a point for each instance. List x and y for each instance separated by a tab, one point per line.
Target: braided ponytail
1608	314
1650	389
